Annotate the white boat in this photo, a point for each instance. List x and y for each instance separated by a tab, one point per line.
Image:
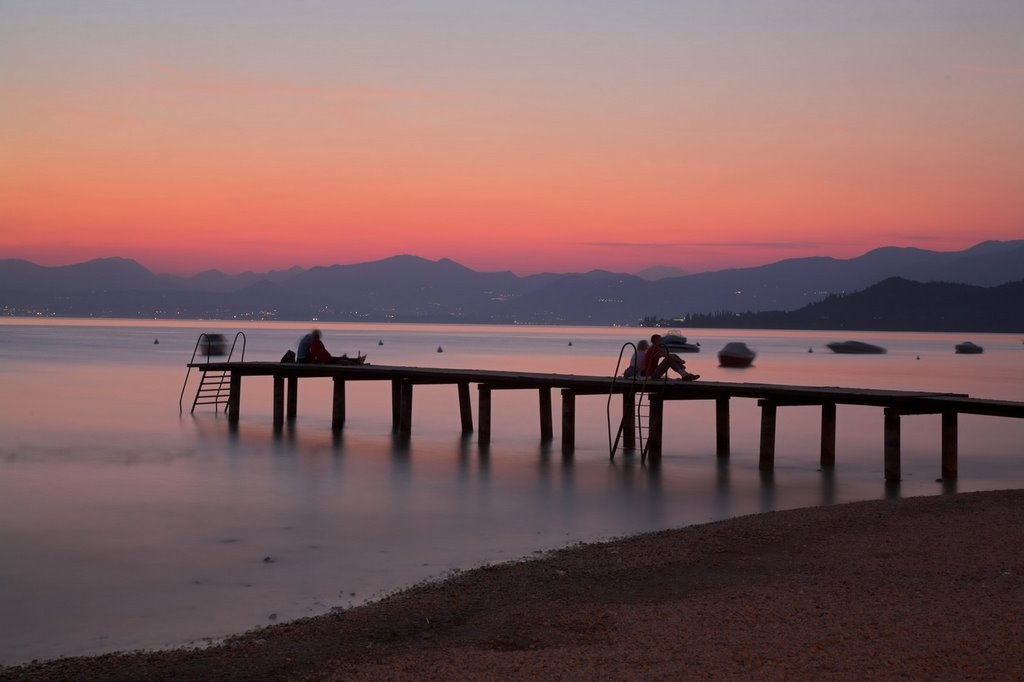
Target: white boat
968	347
676	343
854	347
736	354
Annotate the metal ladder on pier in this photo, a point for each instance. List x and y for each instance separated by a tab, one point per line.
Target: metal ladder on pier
214	385
641	407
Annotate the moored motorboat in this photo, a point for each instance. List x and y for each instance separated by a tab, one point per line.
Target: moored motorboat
854	347
678	344
735	354
968	347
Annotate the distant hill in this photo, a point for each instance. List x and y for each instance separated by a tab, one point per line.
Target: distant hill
785	285
657	272
895	304
103	274
412	289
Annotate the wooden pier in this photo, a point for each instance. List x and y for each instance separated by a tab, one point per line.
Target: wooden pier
770	397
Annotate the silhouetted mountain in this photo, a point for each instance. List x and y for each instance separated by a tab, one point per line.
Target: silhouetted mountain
657	272
785	285
409	288
397	288
217	281
100	275
895	304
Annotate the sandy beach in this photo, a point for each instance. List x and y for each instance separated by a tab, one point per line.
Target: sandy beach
920	588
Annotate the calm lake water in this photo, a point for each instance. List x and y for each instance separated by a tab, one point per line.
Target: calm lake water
125	524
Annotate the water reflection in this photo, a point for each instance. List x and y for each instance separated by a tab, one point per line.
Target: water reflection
828	485
166	518
767	489
893	490
722	492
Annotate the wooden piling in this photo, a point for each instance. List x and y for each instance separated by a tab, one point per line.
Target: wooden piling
828	435
546	430
234	397
655	427
766	461
629	420
465	408
483	437
405	418
278	400
722	445
892	445
338	404
396	405
568	421
949	445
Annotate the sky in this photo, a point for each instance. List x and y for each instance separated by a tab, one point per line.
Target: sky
530	136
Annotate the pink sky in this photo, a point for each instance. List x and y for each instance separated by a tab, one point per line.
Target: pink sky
526	136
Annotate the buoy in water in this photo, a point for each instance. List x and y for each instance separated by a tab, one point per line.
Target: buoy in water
570	343
156	340
381	342
810	350
440	350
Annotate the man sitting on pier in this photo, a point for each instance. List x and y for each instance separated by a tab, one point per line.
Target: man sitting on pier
312	350
658	361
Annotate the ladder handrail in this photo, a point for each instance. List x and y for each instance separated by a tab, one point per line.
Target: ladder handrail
199	342
644	393
235	341
613	446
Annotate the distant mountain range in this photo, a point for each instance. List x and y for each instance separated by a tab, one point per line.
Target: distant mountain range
895	304
412	289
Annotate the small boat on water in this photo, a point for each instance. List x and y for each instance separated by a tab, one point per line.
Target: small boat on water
735	354
854	347
968	347
678	344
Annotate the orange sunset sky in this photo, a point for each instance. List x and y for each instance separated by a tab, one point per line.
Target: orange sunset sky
528	135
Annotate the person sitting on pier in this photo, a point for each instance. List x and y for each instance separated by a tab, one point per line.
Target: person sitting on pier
636	363
312	350
658	361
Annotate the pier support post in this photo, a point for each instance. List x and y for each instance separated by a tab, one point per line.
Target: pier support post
338	405
234	397
396	405
629	420
892	445
655	423
722	427
405	420
568	421
293	397
828	435
465	408
769	412
484	407
949	445
278	401
546	431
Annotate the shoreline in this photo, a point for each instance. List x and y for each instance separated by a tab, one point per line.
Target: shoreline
921	587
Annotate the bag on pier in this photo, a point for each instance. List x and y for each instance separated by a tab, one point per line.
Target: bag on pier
289	356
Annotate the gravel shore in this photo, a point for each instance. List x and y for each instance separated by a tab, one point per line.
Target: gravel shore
922	588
